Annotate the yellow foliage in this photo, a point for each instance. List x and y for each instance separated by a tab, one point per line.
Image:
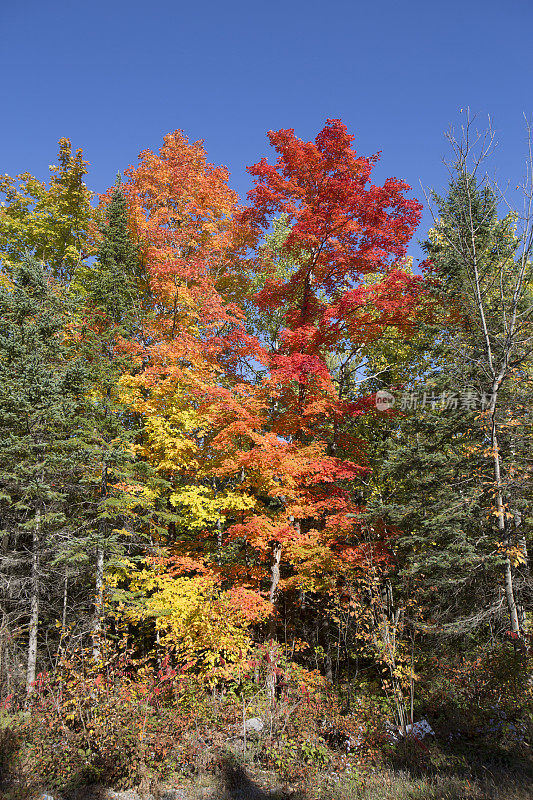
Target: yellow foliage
205	626
199	507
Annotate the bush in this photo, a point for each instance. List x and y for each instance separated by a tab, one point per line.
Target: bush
485	696
14	783
117	727
9	747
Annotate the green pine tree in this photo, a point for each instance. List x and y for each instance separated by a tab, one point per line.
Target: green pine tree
45	445
434	473
113	284
113	316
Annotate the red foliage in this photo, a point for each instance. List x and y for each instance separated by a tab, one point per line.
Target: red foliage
342	228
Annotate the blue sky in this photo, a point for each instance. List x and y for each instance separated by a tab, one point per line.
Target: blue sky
115	76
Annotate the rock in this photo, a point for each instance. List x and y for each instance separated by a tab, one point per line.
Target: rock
254	725
392	733
420	729
355	742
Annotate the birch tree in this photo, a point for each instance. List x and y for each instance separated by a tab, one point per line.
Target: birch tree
484	267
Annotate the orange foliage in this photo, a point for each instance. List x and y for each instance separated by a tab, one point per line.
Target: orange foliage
256	465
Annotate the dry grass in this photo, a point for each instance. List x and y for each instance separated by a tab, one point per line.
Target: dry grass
402	786
236	782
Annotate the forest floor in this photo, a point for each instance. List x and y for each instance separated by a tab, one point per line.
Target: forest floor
236	782
380	785
439	767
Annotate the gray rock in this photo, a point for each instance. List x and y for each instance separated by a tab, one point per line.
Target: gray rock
254	725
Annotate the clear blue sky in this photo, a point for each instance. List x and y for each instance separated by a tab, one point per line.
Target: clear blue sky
115	76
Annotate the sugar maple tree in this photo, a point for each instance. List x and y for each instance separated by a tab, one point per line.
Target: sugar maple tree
181	210
260	477
182	214
340	228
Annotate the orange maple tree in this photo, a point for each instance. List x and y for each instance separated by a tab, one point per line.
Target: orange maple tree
262	475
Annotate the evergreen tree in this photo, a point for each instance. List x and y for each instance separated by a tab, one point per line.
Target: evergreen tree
447	471
44	447
113	284
112	320
484	265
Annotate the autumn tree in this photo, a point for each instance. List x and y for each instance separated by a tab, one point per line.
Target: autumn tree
339	228
188	388
53	222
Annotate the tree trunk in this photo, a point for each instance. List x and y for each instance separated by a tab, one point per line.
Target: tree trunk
522	546
65	599
273	596
274	582
509	596
327	649
502	526
99	575
34	606
390	624
99	600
